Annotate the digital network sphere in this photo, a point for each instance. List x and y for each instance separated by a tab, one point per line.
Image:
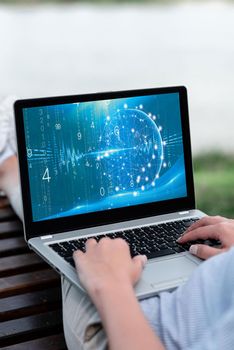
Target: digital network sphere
132	150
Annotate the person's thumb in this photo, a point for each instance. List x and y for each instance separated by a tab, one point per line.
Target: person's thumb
204	251
139	262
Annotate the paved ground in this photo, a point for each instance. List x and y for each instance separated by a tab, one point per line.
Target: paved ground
51	50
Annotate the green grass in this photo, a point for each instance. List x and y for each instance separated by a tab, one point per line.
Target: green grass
214	184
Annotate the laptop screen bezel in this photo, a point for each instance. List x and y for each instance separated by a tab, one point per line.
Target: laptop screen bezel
53	226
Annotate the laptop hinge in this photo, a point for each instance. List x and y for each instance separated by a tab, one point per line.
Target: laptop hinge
46	237
183	212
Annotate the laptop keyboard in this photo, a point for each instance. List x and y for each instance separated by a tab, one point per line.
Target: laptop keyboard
154	241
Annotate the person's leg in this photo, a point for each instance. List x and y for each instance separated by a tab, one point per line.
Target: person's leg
82	325
9	183
9	179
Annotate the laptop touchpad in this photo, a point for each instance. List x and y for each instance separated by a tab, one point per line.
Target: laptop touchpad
169	271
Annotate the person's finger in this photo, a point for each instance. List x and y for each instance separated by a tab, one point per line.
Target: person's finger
204	232
105	241
204	251
139	262
206	220
122	243
91	242
77	256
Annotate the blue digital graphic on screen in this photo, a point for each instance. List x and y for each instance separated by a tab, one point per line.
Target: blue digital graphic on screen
93	156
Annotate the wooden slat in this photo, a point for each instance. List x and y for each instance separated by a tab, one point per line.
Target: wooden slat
30	293
12	246
30	303
22	263
32	327
10	229
53	342
28	282
7	214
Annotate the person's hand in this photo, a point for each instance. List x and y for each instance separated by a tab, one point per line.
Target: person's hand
107	263
216	227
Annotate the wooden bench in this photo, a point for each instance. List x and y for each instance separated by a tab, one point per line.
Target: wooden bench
30	293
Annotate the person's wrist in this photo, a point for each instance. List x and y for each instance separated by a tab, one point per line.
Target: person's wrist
100	291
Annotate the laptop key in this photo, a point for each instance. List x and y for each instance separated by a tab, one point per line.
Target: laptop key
211	242
70	260
160	253
163	246
179	249
172	244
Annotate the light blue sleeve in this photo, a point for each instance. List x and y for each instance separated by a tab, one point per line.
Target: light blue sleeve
220	336
190	317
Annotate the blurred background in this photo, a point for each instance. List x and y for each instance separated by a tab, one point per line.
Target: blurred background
70	47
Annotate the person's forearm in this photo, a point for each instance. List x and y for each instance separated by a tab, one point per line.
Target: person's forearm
123	320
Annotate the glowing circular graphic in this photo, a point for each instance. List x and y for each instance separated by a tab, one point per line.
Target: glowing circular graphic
131	150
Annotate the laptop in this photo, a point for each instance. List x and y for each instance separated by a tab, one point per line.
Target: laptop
114	164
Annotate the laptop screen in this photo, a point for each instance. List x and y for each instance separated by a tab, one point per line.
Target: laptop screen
105	154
